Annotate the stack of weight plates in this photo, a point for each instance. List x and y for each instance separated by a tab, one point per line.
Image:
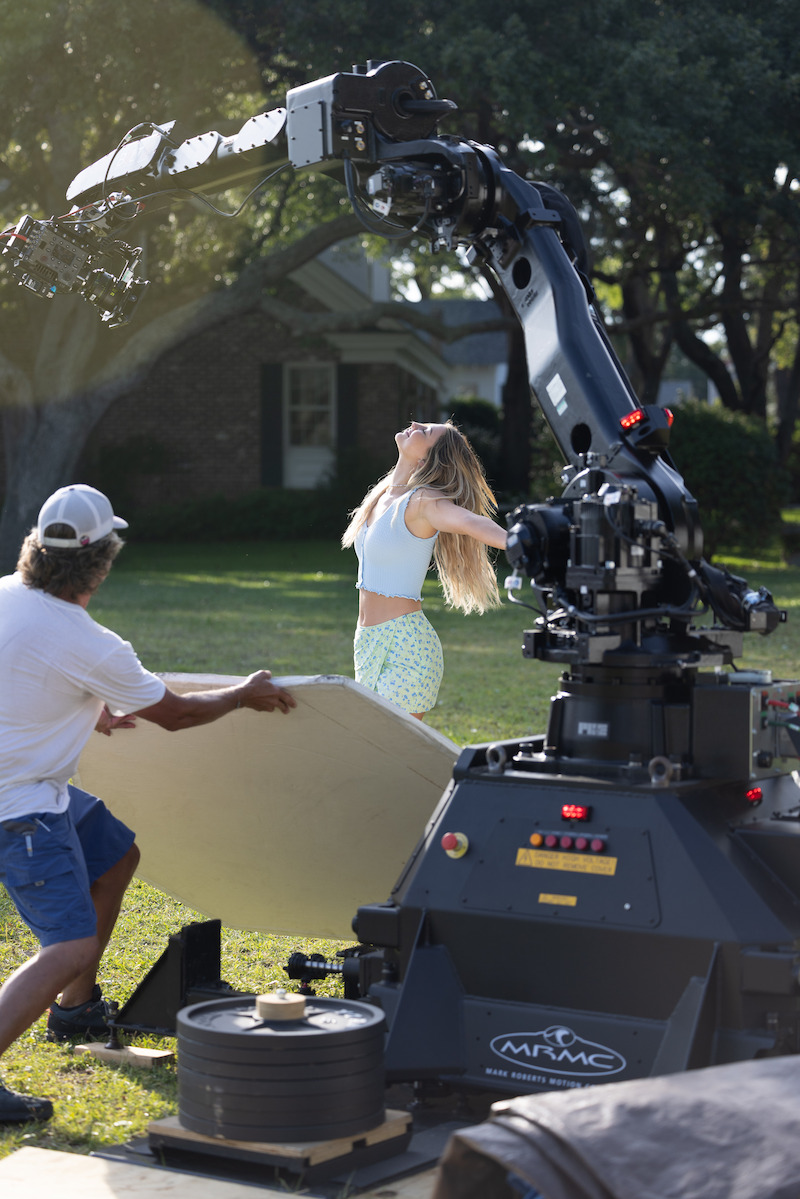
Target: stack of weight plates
249	1079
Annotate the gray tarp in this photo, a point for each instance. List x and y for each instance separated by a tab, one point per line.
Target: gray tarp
727	1132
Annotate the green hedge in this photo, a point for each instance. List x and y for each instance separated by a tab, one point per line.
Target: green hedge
731	467
728	460
269	514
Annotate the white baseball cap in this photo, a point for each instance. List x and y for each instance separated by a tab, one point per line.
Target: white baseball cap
84	509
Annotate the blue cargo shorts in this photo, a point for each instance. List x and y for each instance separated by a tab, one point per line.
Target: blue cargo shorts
49	860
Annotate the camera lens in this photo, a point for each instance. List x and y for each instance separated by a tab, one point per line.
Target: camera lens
101	289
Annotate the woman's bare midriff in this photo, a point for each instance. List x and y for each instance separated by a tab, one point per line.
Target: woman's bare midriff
375	609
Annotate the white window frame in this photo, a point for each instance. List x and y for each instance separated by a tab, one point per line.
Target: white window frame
306	465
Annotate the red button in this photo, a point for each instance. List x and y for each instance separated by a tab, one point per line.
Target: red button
597	846
551	841
566	842
581	843
449	841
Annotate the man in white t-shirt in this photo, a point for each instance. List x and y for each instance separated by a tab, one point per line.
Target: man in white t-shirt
64	859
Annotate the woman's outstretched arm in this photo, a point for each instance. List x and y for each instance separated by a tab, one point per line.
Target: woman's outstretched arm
446	517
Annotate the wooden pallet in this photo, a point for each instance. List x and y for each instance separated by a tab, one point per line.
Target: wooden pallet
388	1139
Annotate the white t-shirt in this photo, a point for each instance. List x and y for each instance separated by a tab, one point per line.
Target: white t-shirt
58	667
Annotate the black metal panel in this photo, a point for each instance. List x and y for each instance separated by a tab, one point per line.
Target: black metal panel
668	945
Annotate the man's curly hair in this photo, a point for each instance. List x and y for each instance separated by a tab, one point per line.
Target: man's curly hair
66	573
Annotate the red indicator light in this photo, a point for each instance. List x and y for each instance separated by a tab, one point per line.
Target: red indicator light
754	795
596	845
633	418
670	416
581	843
566	842
551	841
575	811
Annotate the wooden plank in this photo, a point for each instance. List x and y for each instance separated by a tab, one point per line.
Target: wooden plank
32	1173
127	1055
295	1153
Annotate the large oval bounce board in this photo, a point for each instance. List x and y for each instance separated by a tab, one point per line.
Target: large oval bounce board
282	823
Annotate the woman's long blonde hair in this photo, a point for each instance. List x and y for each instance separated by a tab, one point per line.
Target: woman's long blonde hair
452	468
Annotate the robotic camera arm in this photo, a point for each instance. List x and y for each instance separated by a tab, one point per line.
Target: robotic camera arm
616	561
326	125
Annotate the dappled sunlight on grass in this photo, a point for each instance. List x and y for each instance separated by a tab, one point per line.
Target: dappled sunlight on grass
229	609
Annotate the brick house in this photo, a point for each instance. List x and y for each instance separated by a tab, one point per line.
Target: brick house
244	406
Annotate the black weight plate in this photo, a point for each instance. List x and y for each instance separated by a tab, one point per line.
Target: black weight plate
310	1077
220	1091
314	1070
278	1109
272	1053
341	1086
234	1020
233	1131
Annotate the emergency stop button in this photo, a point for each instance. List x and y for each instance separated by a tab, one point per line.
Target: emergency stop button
455	845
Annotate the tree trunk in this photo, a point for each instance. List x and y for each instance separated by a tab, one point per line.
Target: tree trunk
650	351
46	441
698	351
750	366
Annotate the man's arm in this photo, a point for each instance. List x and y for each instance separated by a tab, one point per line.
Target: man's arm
175	712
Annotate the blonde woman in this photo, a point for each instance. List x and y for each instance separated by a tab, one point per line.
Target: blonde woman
434	504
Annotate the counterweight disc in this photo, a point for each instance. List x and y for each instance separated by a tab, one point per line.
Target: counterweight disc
249	1079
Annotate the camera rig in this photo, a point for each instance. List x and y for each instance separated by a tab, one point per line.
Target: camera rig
619	896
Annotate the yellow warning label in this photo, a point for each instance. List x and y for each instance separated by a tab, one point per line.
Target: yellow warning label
564	901
544	859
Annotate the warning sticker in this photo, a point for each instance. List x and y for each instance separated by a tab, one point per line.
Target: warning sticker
542	859
564	901
557	393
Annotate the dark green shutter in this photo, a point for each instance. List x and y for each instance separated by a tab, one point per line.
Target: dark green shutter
272	424
346	406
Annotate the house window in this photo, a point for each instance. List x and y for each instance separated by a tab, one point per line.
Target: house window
309	423
310	405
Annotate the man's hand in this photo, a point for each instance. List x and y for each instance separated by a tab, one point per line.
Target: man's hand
106	723
175	712
260	693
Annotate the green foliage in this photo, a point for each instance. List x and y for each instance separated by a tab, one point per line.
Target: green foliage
547	461
116	469
730	466
269	514
474	412
480	422
793	467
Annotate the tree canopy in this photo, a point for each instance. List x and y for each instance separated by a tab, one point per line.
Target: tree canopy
74	78
672	126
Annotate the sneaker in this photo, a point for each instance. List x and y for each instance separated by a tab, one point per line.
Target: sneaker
19	1109
89	1020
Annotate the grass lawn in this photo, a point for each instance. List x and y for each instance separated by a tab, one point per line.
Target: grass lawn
229	609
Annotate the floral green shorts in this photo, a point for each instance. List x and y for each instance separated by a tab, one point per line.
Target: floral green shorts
401	659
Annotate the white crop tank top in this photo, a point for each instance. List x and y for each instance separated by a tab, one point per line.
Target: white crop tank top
391	560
